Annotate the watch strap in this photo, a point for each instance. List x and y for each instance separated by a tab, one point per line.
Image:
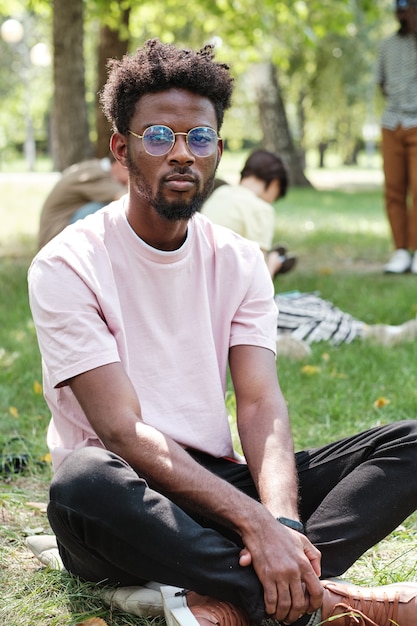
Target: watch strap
291	523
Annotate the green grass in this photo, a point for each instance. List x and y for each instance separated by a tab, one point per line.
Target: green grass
332	228
21	199
342	241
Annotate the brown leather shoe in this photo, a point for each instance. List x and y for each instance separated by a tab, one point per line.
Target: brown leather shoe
391	605
208	611
187	608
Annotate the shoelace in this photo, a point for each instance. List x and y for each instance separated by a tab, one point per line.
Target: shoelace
355	616
383	611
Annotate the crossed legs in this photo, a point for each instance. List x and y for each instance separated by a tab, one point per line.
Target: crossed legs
112	527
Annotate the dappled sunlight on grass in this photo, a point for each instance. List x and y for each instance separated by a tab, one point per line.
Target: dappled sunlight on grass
307	210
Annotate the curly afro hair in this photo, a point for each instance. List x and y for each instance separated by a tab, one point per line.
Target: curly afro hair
157	67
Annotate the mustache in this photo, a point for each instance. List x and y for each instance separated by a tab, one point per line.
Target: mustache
184	170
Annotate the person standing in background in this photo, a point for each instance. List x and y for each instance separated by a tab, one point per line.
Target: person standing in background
397	76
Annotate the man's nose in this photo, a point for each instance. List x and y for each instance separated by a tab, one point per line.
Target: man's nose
180	151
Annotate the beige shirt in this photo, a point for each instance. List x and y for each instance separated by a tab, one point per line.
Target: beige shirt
241	210
89	181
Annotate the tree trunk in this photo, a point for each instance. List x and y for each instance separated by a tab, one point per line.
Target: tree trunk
70	140
111	45
276	132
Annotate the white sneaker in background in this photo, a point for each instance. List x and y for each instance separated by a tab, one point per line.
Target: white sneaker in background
386	335
414	263
292	347
399	263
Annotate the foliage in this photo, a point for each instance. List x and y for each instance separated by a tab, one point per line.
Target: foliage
25	87
323	56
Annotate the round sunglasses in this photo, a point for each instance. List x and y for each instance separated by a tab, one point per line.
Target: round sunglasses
158	140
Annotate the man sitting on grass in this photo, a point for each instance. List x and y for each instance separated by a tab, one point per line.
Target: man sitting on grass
139	310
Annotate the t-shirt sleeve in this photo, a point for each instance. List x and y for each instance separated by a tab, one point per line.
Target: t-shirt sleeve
255	321
72	334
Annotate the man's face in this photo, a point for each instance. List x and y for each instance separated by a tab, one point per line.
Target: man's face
176	184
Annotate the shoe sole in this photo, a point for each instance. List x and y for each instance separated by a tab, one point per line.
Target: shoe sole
176	611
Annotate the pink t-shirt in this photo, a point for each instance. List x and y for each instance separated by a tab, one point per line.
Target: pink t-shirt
100	295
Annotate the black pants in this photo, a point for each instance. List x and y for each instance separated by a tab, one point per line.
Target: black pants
112	527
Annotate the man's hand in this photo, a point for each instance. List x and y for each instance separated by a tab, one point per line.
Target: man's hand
288	566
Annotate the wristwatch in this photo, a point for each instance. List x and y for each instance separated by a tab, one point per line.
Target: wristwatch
291	523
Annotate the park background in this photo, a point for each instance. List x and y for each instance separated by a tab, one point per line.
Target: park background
305	89
304	73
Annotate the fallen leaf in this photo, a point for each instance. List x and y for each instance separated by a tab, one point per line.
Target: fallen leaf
380	402
310	369
37	388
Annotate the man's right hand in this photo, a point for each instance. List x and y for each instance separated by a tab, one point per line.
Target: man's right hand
288	566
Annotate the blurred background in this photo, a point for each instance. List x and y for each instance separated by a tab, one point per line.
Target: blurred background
304	75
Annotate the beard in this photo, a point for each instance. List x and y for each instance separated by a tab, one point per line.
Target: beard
171	210
182	209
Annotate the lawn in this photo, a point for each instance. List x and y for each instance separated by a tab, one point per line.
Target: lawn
342	241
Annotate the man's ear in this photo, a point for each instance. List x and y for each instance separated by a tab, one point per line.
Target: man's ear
118	145
220	148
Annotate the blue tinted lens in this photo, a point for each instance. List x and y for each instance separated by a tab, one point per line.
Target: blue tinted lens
158	140
202	141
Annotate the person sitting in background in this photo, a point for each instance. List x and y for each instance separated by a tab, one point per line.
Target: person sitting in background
304	318
247	207
83	188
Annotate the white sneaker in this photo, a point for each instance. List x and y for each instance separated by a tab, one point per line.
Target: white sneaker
143	601
414	264
385	335
399	263
292	347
